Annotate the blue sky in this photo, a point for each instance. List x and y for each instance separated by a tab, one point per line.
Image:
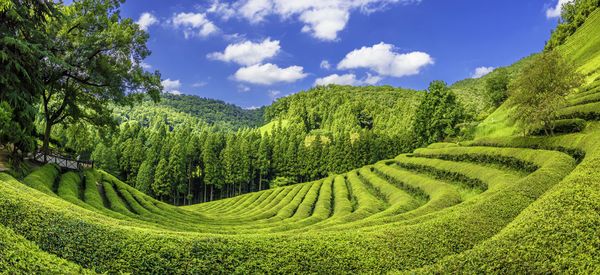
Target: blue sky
249	52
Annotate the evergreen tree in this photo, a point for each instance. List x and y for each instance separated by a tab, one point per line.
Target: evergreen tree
162	182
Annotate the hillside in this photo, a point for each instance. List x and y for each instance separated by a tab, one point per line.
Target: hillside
336	108
501	203
198	111
472	91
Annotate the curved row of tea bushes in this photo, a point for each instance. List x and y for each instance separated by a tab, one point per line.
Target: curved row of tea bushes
558	233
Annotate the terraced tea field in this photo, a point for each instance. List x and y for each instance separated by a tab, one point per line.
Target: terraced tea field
514	204
511	204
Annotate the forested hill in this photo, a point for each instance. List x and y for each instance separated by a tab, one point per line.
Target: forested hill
473	94
199	111
335	108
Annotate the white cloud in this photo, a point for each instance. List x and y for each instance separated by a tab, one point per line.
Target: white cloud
146	20
555	11
347	79
324	23
194	24
372	79
243	88
145	65
382	59
268	74
323	19
171	86
252	108
256	10
481	71
325	65
274	93
248	53
223	9
234	37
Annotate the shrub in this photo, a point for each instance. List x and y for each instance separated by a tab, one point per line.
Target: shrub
563	126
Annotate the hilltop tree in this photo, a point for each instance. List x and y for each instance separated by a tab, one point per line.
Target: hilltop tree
540	90
437	114
96	61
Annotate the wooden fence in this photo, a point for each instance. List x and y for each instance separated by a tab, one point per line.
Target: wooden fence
62	161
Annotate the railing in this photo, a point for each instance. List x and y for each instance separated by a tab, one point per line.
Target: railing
62	161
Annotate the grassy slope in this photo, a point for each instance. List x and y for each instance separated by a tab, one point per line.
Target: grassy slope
583	48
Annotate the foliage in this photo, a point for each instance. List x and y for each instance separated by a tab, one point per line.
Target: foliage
23	47
539	91
472	93
497	86
573	15
280	182
97	58
437	115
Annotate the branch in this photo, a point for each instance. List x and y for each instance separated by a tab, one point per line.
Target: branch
86	81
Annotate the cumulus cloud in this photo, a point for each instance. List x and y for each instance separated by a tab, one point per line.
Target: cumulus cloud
325	65
247	53
382	59
252	108
323	19
555	11
324	23
481	71
193	24
171	86
268	74
146	20
347	79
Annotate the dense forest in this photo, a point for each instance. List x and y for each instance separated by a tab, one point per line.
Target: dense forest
197	110
181	158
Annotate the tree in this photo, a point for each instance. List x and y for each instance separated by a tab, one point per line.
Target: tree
162	181
23	47
540	90
437	114
145	177
96	61
212	164
263	160
496	87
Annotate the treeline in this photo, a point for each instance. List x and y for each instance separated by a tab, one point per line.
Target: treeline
186	166
214	112
334	108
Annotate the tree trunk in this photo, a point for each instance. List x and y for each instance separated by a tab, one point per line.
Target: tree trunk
46	146
259	181
204	193
189	184
211	192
